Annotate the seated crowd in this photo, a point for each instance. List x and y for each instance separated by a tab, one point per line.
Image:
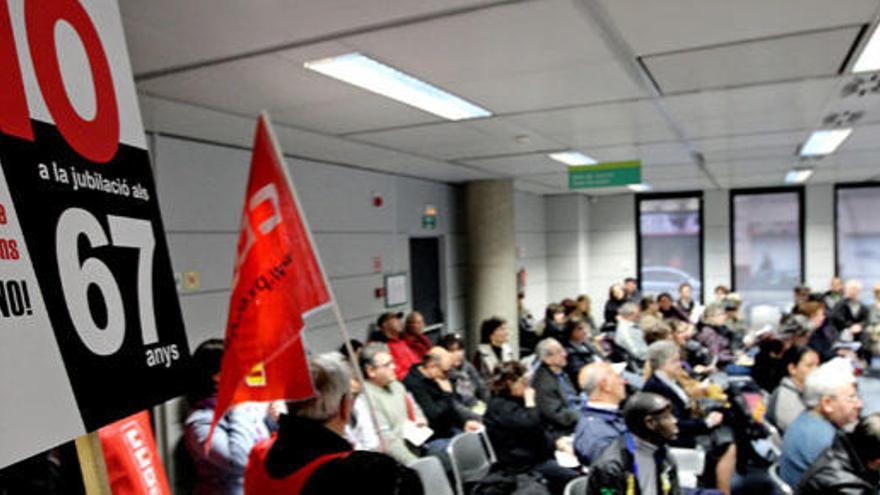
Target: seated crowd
617	401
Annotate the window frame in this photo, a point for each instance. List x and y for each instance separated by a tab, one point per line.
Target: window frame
694	194
759	191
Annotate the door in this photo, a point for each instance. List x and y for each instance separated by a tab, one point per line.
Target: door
424	265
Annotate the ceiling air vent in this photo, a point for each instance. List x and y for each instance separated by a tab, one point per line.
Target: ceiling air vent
842	119
862	86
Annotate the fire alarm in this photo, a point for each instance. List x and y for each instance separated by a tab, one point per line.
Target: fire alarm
377	200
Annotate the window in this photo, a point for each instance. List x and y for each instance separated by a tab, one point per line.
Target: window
670	242
767	246
858	235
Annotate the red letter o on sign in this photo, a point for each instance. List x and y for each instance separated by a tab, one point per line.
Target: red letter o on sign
98	139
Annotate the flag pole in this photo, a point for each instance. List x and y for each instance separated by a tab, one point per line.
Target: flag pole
336	312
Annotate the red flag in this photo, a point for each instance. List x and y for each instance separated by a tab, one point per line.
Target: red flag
277	281
133	463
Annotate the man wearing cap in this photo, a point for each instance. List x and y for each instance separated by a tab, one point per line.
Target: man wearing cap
389	334
601	421
637	462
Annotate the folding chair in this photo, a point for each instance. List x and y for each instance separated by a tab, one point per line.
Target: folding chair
472	456
433	476
577	486
781	486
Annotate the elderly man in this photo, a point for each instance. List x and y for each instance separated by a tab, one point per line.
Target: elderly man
628	334
637	462
830	393
392	405
849	316
555	395
850	466
433	392
389	332
310	455
601	421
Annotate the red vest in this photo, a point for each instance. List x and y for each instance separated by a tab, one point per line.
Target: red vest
258	482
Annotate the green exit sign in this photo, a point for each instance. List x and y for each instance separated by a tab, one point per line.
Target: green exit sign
605	175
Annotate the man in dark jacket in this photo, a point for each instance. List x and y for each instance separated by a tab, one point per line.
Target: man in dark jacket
311	456
850	466
637	462
850	315
557	399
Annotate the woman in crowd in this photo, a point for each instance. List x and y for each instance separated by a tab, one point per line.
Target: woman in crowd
584	310
466	381
715	335
787	403
554	319
685	303
824	335
581	352
414	334
616	298
669	310
220	469
649	307
873	329
514	428
494	348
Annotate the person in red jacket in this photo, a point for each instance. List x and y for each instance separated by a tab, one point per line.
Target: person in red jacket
388	332
414	334
310	455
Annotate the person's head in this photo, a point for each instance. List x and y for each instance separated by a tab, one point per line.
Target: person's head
682	331
685	291
877	291
415	323
720	292
655	329
602	383
584	304
616	293
836	285
629	311
799	362
649	417
865	440
830	390
389	324
332	402
436	363
665	356
508	380
649	305
814	311
377	365
569	306
452	342
206	371
576	331
551	353
554	313
853	290
801	293
664	301
715	315
356	347
493	331
630	285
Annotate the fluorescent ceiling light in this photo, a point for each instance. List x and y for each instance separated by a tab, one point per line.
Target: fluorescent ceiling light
639	187
824	142
572	158
869	59
374	76
798	176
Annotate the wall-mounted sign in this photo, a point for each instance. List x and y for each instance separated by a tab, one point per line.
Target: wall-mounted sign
429	217
605	175
395	290
93	331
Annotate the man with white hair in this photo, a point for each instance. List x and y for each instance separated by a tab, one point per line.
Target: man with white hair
850	316
311	456
601	421
628	334
555	395
830	393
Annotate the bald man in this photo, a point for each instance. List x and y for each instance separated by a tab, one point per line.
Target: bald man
601	421
431	389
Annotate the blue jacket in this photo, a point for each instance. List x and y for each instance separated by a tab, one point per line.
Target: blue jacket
596	429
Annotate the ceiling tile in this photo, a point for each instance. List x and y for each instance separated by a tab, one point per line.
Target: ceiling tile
521	165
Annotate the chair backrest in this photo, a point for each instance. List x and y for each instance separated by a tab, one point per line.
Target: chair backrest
472	457
433	476
783	487
577	486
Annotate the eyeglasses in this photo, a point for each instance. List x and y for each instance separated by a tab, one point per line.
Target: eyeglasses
386	364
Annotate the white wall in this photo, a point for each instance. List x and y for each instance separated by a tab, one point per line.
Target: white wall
612	246
531	243
716	241
819	236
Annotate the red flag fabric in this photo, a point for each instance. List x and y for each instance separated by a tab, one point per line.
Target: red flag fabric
277	282
133	463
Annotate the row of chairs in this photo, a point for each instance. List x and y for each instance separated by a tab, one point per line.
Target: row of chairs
472	457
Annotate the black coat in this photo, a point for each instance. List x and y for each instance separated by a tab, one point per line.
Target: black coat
556	415
578	357
842	316
515	430
688	427
839	471
610	473
822	340
611	308
439	406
